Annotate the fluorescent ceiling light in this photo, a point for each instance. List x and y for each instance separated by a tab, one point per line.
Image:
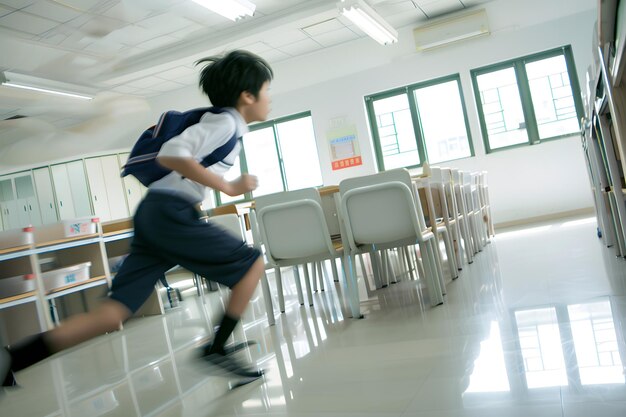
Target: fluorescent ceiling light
368	21
26	82
230	9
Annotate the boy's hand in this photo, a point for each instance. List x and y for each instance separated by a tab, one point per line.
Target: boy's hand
242	185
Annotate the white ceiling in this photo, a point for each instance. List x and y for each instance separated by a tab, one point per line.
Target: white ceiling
144	48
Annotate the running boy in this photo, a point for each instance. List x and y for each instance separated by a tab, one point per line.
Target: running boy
168	231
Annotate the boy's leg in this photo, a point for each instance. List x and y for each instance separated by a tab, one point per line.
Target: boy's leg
239	299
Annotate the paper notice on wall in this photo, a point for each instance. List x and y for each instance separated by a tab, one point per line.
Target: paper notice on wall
344	148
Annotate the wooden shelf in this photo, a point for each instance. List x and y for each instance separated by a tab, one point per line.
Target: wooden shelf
118	232
67	240
58	292
14	249
17	297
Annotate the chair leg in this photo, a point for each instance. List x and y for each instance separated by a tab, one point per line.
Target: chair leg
363	268
407	260
351	285
320	273
333	268
267	296
307	281
314	276
376	268
279	288
454	272
296	277
430	274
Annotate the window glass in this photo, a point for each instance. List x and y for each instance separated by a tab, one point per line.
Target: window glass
502	108
262	160
299	152
395	132
552	97
445	132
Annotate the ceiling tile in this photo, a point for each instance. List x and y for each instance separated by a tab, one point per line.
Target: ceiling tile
274	55
323	27
124	89
157	42
165	85
175	74
335	37
81	5
145	82
17	4
301	47
439	7
52	11
5	11
127	12
27	23
164	23
193	29
283	37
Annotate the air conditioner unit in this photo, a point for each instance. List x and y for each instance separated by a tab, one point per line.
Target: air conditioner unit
451	29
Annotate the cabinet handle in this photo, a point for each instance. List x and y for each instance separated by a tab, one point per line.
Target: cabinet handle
61	203
95	198
50	205
30	207
25	208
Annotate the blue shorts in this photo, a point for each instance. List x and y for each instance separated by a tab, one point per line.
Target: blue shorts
168	232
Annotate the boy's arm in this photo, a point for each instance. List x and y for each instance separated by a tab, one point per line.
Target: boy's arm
190	168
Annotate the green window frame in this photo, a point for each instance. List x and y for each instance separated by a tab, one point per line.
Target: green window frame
244	162
528	121
387	122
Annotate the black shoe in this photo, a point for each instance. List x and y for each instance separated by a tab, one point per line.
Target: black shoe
233	365
6	374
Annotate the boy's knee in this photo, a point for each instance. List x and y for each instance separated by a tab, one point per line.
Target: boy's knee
113	313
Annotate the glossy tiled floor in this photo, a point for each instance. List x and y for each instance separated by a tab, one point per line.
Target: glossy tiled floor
534	327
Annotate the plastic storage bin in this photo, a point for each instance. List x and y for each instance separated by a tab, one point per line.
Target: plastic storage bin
16	237
64	276
17	285
79	227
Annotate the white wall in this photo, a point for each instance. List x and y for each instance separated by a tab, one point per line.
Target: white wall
524	182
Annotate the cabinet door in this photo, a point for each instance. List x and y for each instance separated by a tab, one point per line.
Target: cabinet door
134	190
63	192
97	188
114	187
78	186
25	190
8	205
45	195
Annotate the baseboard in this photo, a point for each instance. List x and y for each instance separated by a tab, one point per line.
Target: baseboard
546	217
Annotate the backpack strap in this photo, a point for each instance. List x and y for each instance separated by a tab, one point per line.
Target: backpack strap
221	152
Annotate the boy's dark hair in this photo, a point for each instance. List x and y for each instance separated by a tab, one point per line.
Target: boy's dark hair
224	78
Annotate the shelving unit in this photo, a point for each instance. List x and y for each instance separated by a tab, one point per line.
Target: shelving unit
604	131
31	312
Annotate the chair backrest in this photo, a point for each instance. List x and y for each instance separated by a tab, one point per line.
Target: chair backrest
292	225
379	209
229	222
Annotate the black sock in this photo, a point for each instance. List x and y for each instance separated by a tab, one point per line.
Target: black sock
223	333
28	352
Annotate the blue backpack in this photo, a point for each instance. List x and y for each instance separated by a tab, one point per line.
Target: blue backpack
142	162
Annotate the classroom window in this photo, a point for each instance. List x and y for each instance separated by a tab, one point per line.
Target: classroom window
282	153
425	121
529	99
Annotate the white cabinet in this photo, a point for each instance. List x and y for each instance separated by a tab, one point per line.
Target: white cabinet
107	191
27	203
8	205
134	190
45	195
18	201
72	194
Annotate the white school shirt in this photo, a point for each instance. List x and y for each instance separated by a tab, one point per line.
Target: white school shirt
198	141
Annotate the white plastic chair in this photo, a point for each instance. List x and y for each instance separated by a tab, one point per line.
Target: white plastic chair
438	216
485	204
293	230
463	215
380	212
